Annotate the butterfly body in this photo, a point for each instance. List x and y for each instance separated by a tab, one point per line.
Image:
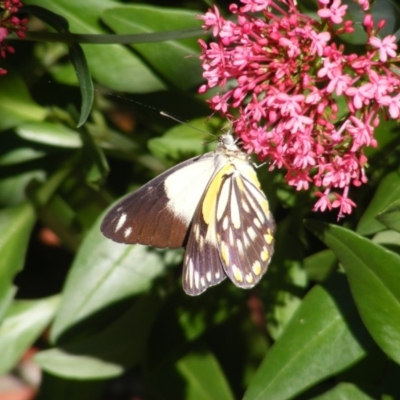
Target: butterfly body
213	206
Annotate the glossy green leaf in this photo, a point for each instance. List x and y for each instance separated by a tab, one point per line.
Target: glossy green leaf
50	134
287	299
182	141
94	160
76	55
387	238
320	265
324	336
16	224
106	352
176	61
13	165
374	276
390	217
388	11
56	21
203	376
192	373
6	296
387	192
24	322
112	65
78	60
16	104
345	391
104	273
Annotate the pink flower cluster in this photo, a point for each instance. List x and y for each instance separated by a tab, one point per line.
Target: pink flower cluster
10	23
285	81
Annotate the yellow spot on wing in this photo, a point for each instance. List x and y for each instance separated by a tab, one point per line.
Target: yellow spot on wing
256	268
224	253
249	278
265	206
265	254
268	238
252	177
210	199
237	273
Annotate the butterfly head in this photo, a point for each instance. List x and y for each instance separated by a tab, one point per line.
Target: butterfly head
227	142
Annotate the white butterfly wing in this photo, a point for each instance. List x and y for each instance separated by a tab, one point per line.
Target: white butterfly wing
160	212
231	233
245	228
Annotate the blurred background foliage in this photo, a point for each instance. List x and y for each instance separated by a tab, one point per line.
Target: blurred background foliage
108	321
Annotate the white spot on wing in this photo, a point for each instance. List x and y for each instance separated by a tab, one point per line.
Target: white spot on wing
252	233
223	199
185	186
235	213
127	232
240	247
121	222
196	279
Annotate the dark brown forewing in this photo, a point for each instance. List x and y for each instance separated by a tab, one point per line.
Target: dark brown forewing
144	216
246	249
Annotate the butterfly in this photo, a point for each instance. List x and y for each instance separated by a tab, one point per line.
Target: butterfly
211	204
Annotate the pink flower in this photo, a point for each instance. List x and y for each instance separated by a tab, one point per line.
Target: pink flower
287	82
361	94
10	23
393	104
3	33
386	46
318	42
212	20
335	12
255	5
344	204
323	203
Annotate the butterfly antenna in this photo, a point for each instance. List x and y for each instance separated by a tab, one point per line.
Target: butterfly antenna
164	114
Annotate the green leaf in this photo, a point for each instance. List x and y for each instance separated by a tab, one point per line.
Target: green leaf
387	192
77	57
16	224
203	377
374	276
389	12
16	104
20	167
78	60
320	265
103	273
104	353
182	141
94	160
390	217
324	337
114	66
345	391
387	238
6	297
23	323
56	21
287	299
177	61
50	134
